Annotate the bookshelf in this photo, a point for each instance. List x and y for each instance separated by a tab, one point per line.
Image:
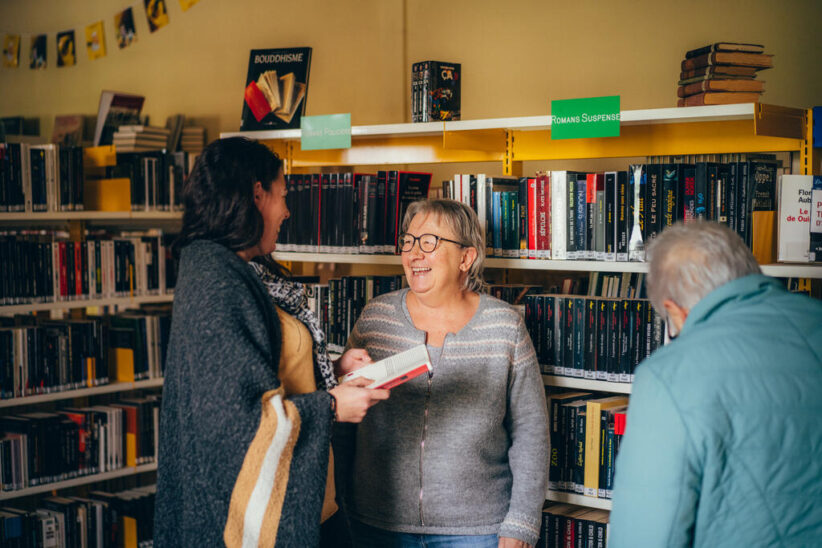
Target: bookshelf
75	224
508	142
75	482
777	270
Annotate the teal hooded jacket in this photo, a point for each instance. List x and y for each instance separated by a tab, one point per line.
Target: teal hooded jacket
723	445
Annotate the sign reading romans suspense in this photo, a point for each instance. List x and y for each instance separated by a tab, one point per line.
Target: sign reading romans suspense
325	132
583	118
276	88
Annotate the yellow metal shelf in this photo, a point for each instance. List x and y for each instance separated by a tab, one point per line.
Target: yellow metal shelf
749	127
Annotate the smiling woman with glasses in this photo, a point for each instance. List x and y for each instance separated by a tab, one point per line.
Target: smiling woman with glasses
459	455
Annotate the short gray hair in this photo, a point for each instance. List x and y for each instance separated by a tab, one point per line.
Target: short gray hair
463	222
688	261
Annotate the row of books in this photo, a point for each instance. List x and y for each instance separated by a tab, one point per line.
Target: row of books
610	216
339	303
349	213
40	177
49	266
569	526
140	138
592	337
98	520
585	434
41	356
156	178
41	448
435	91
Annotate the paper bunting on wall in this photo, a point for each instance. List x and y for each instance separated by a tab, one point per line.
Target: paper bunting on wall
185	4
156	13
11	51
124	27
66	49
37	59
95	41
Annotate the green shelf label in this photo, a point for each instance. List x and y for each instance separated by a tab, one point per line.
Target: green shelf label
325	132
585	118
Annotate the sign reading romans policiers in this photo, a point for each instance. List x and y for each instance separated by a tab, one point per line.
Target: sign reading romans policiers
276	88
584	118
325	132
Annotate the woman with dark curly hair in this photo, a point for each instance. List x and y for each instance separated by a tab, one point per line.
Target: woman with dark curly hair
247	405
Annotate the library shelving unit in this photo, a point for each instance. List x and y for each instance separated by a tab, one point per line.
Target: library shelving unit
75	222
723	129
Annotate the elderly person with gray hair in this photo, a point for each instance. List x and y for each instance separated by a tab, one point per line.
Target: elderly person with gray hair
725	423
458	458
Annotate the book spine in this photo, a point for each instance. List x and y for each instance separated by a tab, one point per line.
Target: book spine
591	337
533	219
559	214
591	227
544	214
689	193
581	224
622	216
571	217
815	244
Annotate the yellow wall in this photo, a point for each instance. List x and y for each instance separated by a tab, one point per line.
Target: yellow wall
516	55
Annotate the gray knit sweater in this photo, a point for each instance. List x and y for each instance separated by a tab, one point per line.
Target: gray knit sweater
482	416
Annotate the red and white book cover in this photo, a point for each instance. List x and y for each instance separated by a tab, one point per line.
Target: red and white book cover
394	370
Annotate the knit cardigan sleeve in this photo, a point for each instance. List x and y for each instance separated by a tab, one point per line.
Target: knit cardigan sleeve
237	459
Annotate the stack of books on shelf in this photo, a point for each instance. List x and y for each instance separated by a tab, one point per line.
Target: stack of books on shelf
41	448
592	337
349	212
569	215
721	74
98	519
49	266
435	91
42	356
194	139
566	525
137	138
585	433
40	178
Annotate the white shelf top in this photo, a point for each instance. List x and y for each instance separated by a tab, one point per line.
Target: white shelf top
30	216
777	270
586	384
579	500
84	480
709	113
82	392
119	301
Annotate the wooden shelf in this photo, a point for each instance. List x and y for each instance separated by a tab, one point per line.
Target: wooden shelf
586	384
82	392
579	500
62	305
67	216
84	480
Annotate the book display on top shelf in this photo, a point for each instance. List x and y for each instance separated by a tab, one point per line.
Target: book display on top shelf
115	109
276	88
435	91
722	73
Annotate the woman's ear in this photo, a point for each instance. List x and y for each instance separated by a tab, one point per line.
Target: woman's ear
258	194
469	255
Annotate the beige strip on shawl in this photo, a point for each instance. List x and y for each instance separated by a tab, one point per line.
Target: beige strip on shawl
258	495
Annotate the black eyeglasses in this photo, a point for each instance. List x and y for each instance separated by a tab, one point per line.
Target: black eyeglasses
428	242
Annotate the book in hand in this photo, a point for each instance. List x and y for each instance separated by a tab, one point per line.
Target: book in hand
394	370
276	88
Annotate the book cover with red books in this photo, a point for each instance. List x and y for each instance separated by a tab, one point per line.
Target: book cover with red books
276	88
